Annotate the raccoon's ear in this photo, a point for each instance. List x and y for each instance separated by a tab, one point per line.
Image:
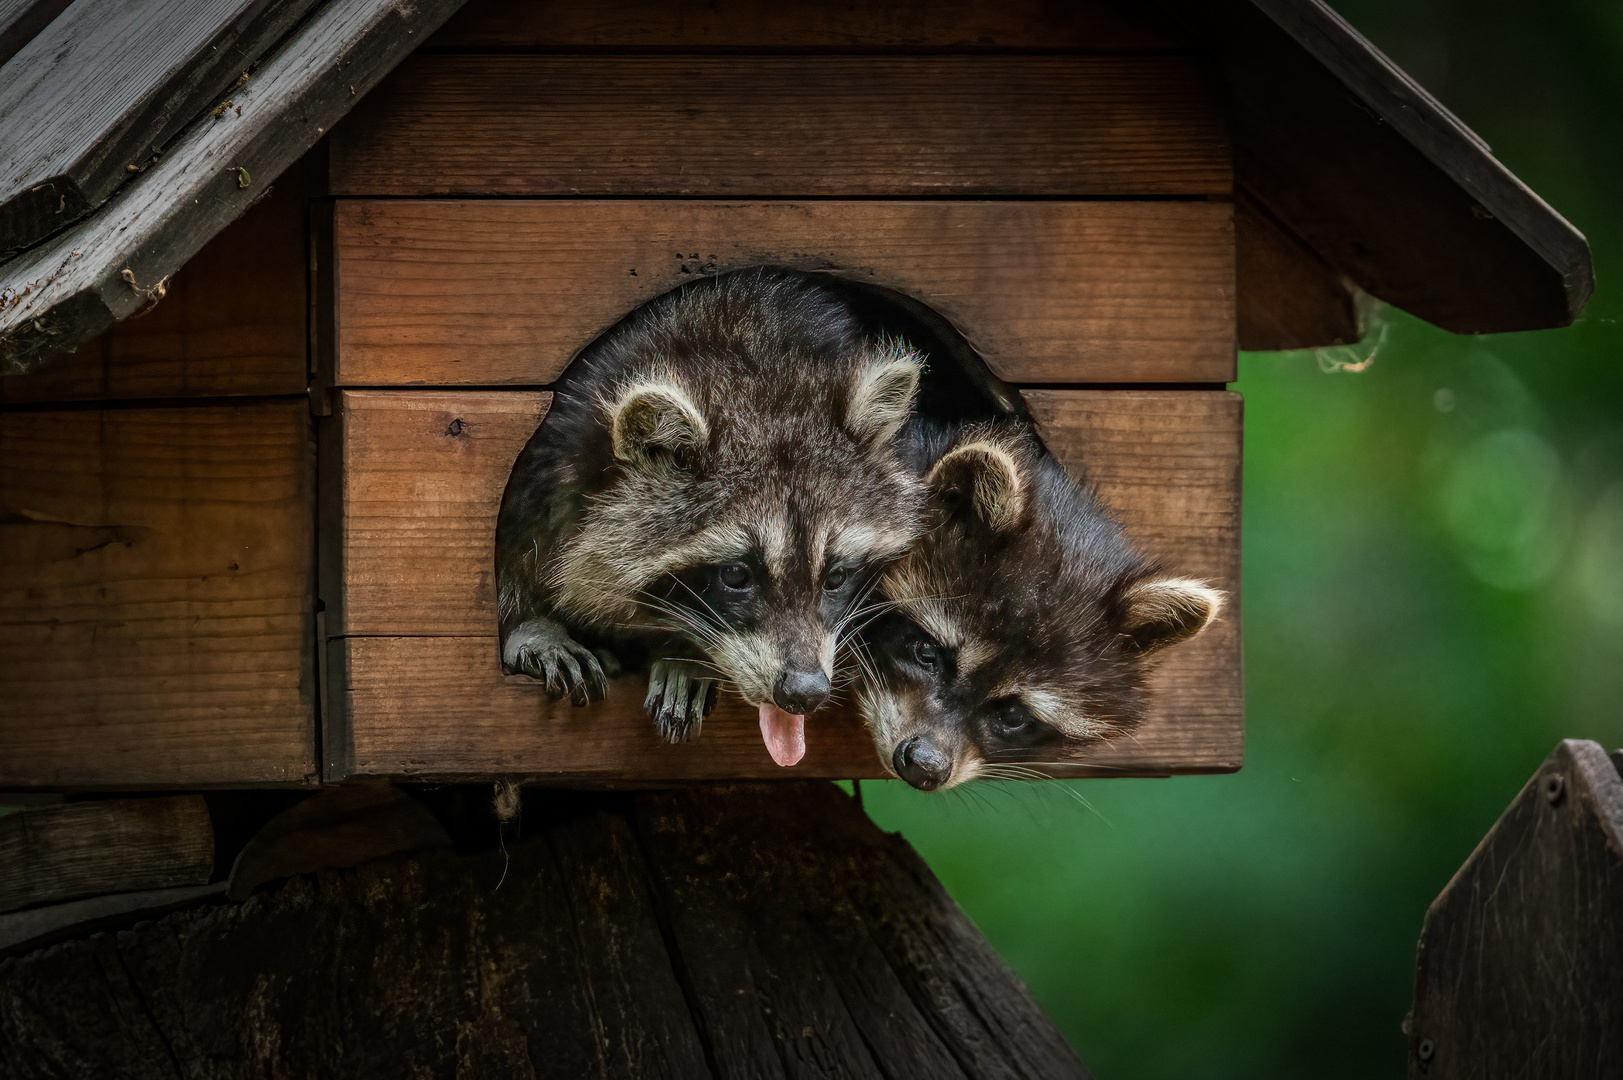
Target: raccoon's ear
655	422
987	478
882	393
1165	611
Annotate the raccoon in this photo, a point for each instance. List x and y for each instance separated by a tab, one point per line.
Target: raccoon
714	491
1023	622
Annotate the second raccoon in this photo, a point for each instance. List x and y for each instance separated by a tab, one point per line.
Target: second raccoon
1022	623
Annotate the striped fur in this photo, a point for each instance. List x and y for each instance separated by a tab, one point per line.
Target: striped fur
744	422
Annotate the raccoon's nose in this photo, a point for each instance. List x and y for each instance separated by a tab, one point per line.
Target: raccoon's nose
801	692
921	763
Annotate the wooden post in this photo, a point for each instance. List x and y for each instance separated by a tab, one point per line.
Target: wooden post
756	930
1520	969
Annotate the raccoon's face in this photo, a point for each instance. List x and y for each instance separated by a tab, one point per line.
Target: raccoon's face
772	615
1018	628
751	522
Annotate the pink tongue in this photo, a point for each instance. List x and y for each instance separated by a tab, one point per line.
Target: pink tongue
784	734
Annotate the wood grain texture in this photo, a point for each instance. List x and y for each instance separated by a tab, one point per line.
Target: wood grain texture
232	322
119	845
415	683
1379	178
156	585
99	92
22	20
1287	297
804	26
769	931
68	289
786	126
1520	969
505	293
34	928
859	962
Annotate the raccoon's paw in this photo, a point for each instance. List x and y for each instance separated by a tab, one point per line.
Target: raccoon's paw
543	650
680	695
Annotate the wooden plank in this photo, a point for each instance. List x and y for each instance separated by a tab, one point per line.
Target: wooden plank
582	963
786	126
1287	297
99	92
694	26
119	845
156	603
794	885
857	963
448	293
24	931
633	975
415	518
1379	178
68	289
416	680
22	20
231	323
1520	967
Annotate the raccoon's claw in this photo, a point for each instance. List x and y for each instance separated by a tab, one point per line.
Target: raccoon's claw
680	696
544	651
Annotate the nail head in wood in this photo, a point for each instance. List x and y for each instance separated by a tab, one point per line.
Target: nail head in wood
1555	789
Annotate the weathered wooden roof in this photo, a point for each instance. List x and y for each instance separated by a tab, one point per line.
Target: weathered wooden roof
1386	184
136	129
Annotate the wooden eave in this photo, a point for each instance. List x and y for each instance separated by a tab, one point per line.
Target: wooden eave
1382	181
1332	141
116	259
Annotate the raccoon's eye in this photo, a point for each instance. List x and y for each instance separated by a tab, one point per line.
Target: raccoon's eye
926	655
836	577
734	575
1012	722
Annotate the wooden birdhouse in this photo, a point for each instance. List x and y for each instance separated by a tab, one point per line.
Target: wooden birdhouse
247	536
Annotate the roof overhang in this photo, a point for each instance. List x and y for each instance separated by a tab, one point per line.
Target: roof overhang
1331	139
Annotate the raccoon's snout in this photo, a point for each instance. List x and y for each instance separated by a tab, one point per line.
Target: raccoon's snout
921	763
801	692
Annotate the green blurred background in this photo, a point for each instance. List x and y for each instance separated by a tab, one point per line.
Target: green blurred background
1433	593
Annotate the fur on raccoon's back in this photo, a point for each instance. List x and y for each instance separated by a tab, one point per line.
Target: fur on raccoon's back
794	410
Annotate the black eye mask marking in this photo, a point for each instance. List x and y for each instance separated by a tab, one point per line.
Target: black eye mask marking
844	591
905	651
728	594
1007	724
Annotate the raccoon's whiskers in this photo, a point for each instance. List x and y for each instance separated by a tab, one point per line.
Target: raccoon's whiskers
720	678
870	668
843	629
713	613
866	669
1007	772
1034	763
683	618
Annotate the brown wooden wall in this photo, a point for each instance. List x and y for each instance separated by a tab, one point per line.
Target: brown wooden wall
1056	182
1055	178
157	533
